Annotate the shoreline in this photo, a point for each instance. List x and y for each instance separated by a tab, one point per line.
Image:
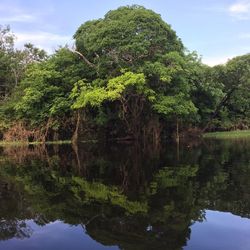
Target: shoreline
236	134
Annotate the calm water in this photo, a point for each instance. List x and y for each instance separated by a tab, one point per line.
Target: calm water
191	197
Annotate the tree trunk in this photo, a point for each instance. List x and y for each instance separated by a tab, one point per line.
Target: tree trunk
177	131
76	132
15	76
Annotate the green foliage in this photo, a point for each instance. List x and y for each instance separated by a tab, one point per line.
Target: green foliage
45	90
38	94
234	107
6	51
174	106
13	62
228	135
129	73
126	37
94	96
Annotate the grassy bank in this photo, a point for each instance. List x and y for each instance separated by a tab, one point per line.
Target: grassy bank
228	134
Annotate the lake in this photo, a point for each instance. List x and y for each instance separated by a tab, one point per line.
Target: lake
192	196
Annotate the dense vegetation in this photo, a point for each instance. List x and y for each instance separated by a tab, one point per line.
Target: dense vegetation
129	77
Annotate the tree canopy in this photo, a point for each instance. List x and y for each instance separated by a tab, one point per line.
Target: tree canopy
128	76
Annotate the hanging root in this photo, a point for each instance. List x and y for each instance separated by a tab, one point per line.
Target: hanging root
19	132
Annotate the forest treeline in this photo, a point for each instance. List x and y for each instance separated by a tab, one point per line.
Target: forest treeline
128	76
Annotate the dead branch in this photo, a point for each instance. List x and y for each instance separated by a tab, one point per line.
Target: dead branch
84	58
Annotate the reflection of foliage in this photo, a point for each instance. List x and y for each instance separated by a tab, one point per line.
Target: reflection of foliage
14	228
173	177
98	192
157	213
11	205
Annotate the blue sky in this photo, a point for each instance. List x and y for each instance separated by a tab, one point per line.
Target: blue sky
216	29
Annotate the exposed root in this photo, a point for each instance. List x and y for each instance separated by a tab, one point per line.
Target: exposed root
19	132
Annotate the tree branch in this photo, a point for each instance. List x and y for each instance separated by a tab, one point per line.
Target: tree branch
222	103
84	59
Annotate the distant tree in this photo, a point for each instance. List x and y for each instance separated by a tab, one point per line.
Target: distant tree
235	77
6	51
13	62
42	97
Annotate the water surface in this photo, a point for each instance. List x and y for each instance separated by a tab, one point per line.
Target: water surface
195	196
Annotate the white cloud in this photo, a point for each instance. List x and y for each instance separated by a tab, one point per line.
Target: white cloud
240	9
45	40
10	13
212	61
17	18
244	36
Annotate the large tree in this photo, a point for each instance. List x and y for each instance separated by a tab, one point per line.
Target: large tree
125	38
126	42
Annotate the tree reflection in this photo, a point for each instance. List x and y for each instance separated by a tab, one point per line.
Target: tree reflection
121	194
14	229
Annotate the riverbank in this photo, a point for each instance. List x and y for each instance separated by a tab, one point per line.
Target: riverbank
217	135
21	143
228	134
